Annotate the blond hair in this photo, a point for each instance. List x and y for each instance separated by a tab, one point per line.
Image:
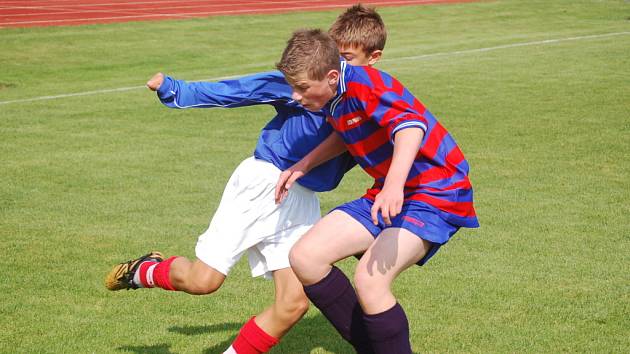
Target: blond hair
359	27
309	51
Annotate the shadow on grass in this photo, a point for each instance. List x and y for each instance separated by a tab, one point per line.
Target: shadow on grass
146	349
310	333
196	330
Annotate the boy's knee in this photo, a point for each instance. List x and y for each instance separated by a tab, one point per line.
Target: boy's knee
367	287
297	258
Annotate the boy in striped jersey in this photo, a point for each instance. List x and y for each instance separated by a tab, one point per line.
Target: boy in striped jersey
247	219
420	197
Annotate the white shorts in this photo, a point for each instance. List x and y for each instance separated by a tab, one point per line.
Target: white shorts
248	219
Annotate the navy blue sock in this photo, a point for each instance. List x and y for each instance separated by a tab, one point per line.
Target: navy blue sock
335	297
389	331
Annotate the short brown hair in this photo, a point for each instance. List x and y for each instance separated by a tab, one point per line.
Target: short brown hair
309	51
360	27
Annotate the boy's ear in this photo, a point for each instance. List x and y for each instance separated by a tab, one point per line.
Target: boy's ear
374	57
332	77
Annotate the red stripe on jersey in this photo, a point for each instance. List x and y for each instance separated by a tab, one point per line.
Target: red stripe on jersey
455	157
371	193
398	108
439	172
463	184
375	77
366	146
463	209
364	94
431	175
434	140
380	170
418	106
397	87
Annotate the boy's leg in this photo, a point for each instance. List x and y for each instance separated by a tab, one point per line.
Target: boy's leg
289	306
217	249
270	257
264	331
175	273
335	237
394	250
195	277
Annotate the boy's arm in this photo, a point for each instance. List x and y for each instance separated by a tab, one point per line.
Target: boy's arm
398	112
245	91
389	200
331	147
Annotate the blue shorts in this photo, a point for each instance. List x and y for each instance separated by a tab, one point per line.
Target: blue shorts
416	217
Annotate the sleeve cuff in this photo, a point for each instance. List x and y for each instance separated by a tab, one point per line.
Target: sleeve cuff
405	125
166	89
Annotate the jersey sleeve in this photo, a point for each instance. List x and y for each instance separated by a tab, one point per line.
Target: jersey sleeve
395	109
263	88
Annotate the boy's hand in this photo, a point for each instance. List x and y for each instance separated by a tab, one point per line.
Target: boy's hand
155	82
389	202
285	181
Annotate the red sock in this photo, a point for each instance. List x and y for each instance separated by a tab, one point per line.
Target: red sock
161	274
146	276
253	340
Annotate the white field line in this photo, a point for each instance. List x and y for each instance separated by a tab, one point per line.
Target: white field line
416	57
507	46
98	92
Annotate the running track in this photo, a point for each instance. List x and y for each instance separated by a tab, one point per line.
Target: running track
32	13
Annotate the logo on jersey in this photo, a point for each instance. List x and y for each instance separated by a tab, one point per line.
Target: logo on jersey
354	120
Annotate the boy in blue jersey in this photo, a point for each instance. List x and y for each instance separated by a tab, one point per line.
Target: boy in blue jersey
421	194
248	219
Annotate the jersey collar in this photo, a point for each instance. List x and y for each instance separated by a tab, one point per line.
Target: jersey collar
341	87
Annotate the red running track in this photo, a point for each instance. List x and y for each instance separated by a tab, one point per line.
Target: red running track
32	13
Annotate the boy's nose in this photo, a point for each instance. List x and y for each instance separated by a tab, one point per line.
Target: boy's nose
296	96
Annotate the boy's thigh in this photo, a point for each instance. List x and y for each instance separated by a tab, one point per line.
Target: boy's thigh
416	217
336	236
394	250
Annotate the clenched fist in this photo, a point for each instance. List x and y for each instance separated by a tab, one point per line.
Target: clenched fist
155	82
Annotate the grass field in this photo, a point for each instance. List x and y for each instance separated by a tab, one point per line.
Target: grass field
537	94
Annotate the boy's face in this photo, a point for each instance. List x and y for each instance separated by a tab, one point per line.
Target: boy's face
314	94
357	57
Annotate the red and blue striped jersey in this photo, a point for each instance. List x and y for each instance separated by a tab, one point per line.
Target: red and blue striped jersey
368	110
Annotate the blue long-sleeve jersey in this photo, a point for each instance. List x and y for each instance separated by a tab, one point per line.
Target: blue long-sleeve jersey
286	139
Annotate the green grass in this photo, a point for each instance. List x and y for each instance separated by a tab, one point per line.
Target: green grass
92	180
